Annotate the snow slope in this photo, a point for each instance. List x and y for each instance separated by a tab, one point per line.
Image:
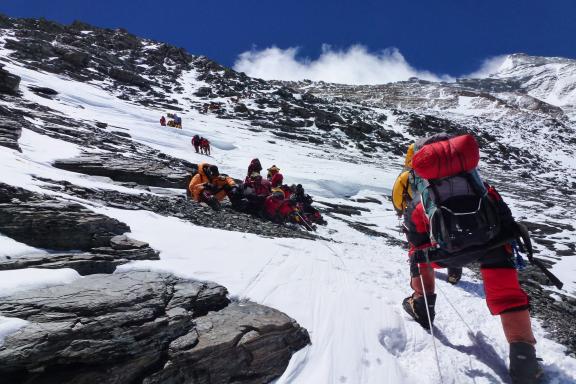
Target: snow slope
346	291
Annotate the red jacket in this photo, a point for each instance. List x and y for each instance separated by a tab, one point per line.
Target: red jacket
278	208
277	180
254	166
257	187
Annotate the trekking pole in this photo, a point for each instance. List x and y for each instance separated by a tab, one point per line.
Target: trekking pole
430	319
305	223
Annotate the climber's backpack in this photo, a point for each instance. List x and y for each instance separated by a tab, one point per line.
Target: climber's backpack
454	198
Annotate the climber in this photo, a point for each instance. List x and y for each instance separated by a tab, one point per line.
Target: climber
272	171
204	146
210	187
281	210
276	181
449	165
255	189
304	204
196	142
254	166
163	121
402	196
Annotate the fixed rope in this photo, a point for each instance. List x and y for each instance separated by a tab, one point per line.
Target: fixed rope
430	322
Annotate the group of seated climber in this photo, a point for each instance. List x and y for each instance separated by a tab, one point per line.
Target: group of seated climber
201	145
264	197
175	121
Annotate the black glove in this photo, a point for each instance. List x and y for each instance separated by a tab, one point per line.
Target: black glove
209	187
523	240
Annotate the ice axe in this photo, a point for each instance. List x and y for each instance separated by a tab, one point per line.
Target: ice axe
526	244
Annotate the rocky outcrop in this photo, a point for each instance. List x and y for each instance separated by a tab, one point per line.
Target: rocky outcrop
144	327
121	250
127	169
96	241
182	208
10	128
9	83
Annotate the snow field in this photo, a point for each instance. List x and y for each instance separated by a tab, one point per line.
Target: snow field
347	292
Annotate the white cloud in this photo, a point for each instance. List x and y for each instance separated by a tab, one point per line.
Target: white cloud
490	66
356	65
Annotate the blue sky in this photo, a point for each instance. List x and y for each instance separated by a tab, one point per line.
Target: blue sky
442	36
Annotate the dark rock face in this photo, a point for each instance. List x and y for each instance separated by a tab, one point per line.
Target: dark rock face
144	327
44	222
84	53
58	225
9	83
234	345
120	168
97	260
10	128
43	91
54	224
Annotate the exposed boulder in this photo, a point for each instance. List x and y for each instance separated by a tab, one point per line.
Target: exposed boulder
244	342
76	58
57	225
203	92
11	124
43	91
101	260
153	172
96	241
147	327
128	77
9	83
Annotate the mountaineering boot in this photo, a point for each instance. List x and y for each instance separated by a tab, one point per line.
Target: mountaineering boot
454	275
416	307
524	367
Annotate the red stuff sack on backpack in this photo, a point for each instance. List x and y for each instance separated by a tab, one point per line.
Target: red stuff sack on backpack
447	158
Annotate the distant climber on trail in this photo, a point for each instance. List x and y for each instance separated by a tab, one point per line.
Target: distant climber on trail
204	146
402	196
163	121
210	187
457	219
196	143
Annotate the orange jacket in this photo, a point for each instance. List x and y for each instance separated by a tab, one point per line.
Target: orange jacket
199	181
196	184
222	184
401	192
408	158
